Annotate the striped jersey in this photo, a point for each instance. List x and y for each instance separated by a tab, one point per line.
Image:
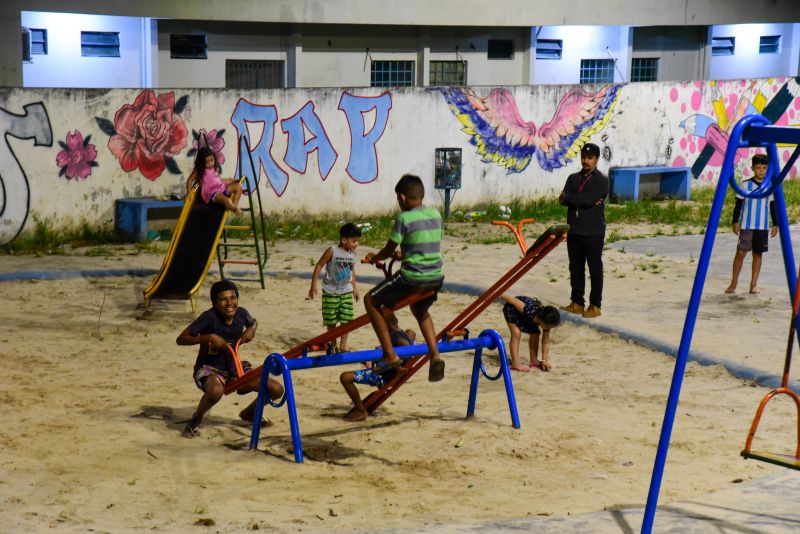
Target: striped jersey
418	231
755	211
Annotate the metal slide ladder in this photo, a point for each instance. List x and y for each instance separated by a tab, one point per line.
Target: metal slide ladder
257	233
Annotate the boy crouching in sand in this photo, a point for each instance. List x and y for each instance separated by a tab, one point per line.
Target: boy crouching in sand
214	330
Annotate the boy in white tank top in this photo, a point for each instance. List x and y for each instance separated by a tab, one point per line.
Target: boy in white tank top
339	282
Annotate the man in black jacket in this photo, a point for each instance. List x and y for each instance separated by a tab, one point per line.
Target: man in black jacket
584	196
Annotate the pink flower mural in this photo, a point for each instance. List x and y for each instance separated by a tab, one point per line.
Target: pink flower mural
212	139
147	134
77	156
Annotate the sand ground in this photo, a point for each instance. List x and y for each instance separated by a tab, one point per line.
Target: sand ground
95	392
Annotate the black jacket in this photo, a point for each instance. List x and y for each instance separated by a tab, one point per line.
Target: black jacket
581	195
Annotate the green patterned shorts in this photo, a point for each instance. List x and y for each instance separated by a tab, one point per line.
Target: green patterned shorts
337	309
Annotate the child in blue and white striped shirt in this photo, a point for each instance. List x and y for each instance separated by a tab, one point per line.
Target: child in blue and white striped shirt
751	218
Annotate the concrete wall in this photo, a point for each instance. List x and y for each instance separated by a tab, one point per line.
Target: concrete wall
681	51
68	154
63	65
746	54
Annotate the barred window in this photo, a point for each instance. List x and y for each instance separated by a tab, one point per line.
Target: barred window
448	73
253	74
597	71
644	69
392	74
767	44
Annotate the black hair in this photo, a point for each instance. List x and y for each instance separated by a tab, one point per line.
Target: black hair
200	162
349	230
411	187
760	159
590	149
220	287
549	315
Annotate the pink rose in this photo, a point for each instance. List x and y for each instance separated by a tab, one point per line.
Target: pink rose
147	132
77	158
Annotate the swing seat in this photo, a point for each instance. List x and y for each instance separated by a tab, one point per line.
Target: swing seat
783	460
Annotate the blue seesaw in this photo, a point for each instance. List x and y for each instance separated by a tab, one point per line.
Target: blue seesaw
278	365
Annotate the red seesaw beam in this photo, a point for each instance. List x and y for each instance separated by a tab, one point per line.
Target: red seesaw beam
541	248
254	375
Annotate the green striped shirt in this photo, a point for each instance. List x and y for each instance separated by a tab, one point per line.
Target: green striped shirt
419	233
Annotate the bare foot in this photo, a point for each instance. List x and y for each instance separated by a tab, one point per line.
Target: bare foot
544	366
191	428
354	415
246	415
731	289
521	368
754	291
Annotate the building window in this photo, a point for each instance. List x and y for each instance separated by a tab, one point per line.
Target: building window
500	49
100	44
448	73
253	74
644	69
392	74
38	41
597	71
548	48
767	44
182	46
723	46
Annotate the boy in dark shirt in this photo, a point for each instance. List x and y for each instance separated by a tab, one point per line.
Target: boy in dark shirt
214	330
584	196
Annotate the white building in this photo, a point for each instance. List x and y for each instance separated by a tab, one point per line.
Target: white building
360	43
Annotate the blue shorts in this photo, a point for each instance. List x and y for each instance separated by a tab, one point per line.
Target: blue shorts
368	377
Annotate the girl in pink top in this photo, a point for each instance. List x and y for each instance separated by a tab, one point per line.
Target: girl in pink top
213	188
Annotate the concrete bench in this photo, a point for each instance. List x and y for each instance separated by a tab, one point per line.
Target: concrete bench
633	182
132	214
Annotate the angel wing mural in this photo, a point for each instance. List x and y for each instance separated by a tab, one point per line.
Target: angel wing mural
504	138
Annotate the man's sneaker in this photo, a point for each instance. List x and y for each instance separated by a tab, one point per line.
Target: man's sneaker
573	308
591	311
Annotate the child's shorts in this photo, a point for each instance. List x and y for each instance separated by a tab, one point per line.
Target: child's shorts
210	191
369	377
391	291
206	370
336	309
523	320
755	240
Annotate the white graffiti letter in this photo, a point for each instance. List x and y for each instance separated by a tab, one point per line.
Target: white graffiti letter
15	197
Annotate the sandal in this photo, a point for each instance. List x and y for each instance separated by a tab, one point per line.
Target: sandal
191	430
436	370
384	368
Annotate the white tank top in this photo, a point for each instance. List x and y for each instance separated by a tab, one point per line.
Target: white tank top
339	272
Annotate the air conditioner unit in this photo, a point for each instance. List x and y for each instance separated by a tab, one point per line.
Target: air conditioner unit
26	45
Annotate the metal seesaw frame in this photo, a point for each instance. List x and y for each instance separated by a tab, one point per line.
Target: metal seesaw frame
279	365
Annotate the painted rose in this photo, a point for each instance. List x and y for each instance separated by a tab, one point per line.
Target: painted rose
147	133
215	142
77	157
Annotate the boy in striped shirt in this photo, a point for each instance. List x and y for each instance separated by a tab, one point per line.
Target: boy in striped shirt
418	231
751	218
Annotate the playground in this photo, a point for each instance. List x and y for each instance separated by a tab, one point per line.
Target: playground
103	450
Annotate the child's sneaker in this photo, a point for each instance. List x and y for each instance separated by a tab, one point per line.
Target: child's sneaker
591	312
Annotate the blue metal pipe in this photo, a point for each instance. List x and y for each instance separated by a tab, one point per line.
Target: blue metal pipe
418	349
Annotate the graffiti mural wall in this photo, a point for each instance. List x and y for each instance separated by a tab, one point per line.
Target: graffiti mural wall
67	155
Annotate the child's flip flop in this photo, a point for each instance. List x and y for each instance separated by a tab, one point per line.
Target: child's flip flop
383	368
436	370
